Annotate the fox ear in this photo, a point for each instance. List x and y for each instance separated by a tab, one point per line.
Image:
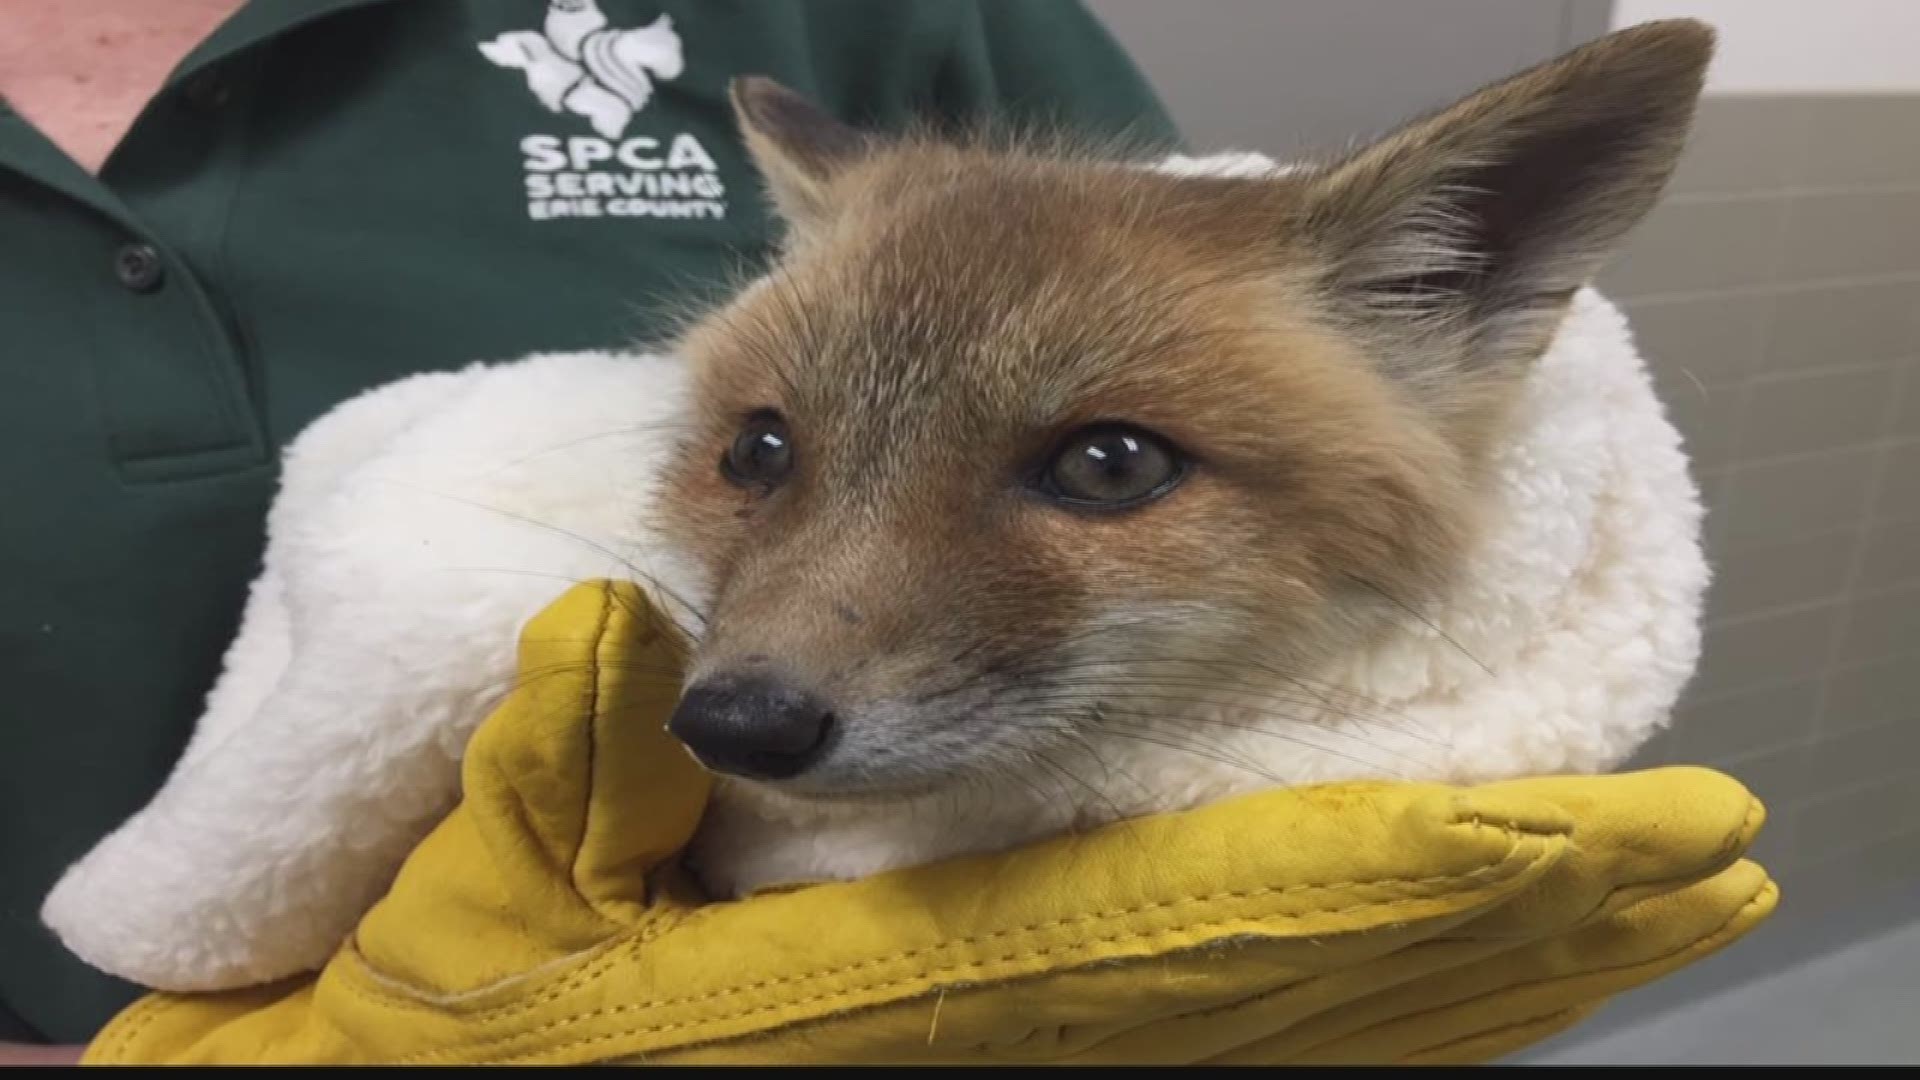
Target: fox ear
1485	217
797	146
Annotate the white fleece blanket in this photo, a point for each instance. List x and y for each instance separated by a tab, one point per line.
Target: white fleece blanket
422	523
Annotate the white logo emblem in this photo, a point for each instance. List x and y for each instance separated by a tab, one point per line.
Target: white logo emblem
574	63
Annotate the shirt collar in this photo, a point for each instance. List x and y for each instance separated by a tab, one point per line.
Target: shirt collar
258	21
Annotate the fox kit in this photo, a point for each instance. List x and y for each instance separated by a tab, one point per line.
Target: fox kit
1024	476
1028	491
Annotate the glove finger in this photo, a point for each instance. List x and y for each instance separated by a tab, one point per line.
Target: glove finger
1638	835
599	674
1461	962
255	1025
1491	1046
1274	996
530	869
1162	916
1177	1008
1467	1007
1633	851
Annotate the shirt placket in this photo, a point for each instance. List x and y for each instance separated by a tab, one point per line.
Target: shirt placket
168	363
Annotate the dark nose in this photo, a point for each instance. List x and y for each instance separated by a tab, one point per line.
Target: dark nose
754	727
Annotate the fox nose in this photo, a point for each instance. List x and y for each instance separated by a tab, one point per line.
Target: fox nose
754	727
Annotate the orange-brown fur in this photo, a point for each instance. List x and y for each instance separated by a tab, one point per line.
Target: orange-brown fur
976	307
1332	349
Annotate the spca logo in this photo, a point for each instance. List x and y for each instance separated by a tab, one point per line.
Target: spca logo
578	65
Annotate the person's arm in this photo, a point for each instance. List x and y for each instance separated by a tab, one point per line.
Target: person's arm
1053	66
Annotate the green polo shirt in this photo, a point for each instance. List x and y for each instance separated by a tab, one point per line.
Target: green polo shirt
327	195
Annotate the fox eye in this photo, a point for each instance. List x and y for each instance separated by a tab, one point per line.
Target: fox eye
1110	466
762	454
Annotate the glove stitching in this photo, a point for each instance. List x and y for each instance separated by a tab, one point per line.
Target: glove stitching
386	989
378	993
645	632
1273	891
892	984
625	951
133	1024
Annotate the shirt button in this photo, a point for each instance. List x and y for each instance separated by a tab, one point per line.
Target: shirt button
138	267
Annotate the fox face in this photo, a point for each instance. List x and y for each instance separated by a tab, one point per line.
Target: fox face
1024	460
1022	437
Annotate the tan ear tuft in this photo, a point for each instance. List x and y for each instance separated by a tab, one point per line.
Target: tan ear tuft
1492	212
797	146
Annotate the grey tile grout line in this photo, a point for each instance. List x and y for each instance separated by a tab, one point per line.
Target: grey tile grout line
1780	375
1793	457
1793	191
1832	535
1682	384
1905	773
1769	316
1801	161
1743	394
1719	696
1777	611
1772	683
1848	349
1874	442
1792	804
1909	656
1752	370
1769	288
1811	95
1877	470
1849	590
1851	852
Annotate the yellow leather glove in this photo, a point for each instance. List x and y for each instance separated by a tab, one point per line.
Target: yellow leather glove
544	921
